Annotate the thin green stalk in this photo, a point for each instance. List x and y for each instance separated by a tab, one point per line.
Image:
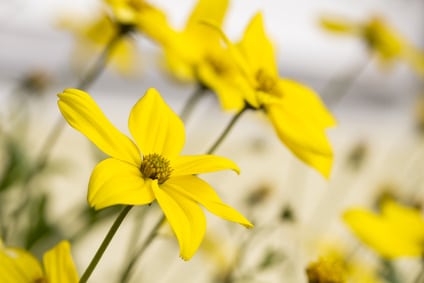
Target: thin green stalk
105	244
195	97
224	134
137	255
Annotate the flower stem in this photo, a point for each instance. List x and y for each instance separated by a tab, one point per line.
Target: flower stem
227	130
105	244
195	97
137	255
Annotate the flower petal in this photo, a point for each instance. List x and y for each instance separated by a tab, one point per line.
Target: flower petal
83	114
376	231
177	218
258	49
196	218
155	127
300	121
198	190
115	182
197	164
17	265
59	265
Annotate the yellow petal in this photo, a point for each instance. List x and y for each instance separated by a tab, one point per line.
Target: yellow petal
339	25
83	114
17	265
176	216
210	11
59	265
197	164
196	219
155	127
194	188
115	182
257	48
300	122
386	237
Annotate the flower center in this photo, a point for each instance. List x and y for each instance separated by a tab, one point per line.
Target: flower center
40	280
265	82
156	167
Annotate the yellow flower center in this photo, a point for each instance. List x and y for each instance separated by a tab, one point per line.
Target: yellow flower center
325	271
40	280
156	167
218	66
267	84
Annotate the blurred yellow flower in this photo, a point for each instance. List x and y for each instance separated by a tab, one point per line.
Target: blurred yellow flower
398	231
150	168
388	44
326	270
92	37
296	112
19	266
185	50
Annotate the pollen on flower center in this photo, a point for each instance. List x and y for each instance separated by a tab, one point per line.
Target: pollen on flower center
155	166
265	82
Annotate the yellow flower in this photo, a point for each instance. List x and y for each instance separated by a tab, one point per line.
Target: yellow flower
296	112
326	270
150	168
185	50
397	231
93	35
381	39
19	266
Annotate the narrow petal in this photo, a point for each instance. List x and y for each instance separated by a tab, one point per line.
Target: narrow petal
340	25
196	218
176	217
115	182
300	121
258	49
197	164
83	114
155	127
201	192
17	265
59	265
380	235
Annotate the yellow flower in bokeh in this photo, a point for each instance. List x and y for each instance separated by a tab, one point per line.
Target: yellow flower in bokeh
19	266
185	50
398	231
388	44
93	35
326	270
296	112
150	168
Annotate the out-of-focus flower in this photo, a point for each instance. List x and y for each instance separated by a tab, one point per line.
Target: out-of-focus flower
196	44
397	231
326	270
118	18
296	112
92	37
387	43
150	168
19	266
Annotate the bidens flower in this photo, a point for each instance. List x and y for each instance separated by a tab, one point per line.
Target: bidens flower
380	38
185	50
19	266
151	168
296	112
398	231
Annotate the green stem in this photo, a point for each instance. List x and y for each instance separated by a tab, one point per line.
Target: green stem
137	255
224	134
195	97
105	244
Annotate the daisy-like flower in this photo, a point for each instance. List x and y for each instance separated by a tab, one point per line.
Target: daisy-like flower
398	231
19	266
185	50
381	39
295	111
150	168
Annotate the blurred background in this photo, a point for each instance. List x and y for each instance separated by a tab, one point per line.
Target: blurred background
378	140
